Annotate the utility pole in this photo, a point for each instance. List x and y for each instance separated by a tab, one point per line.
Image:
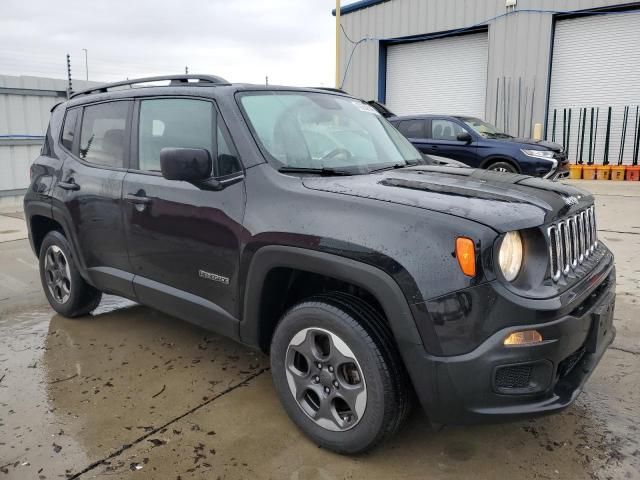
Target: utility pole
338	44
69	86
86	63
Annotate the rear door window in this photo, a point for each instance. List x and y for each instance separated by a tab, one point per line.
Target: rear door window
103	136
412	128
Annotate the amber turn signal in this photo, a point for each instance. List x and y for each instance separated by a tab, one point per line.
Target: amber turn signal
527	337
466	254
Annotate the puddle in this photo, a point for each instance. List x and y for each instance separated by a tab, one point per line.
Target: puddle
73	391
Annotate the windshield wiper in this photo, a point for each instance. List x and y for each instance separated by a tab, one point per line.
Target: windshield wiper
496	135
395	166
324	171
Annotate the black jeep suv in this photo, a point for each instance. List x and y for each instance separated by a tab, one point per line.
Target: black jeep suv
300	222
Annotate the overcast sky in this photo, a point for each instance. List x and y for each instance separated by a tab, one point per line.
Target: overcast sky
291	41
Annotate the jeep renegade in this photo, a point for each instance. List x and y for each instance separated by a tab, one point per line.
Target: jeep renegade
300	222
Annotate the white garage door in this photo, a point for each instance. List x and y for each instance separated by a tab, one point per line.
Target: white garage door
596	63
441	76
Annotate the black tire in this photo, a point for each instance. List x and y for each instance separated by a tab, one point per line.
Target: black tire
72	296
504	167
366	334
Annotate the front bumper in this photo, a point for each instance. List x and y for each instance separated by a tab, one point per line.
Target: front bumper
559	171
494	382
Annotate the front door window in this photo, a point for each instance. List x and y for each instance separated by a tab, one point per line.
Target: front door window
445	130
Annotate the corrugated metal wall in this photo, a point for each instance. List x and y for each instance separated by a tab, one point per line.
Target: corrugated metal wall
25	104
519	45
596	64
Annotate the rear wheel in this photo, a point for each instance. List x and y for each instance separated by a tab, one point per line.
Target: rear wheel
66	290
504	167
338	373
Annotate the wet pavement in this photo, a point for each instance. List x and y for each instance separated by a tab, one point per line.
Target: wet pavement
132	393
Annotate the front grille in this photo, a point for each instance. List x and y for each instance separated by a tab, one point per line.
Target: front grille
571	242
561	156
518	376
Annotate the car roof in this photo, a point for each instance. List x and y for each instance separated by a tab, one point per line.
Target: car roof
426	116
180	86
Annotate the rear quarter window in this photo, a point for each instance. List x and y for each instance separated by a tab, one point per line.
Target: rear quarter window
46	145
69	128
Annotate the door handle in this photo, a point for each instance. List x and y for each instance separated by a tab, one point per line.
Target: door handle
137	199
70	185
434	147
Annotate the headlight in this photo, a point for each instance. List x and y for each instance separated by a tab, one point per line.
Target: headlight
546	154
510	255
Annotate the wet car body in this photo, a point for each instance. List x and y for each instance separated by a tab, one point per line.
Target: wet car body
389	233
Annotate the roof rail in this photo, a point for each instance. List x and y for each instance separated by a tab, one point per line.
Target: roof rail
176	80
331	89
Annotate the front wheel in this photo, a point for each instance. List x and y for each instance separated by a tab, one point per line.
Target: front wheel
504	167
338	373
66	290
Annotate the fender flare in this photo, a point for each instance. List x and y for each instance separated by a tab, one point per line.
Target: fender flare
52	212
58	215
381	285
36	208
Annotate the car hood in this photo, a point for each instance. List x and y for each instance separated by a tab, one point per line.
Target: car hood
530	141
498	200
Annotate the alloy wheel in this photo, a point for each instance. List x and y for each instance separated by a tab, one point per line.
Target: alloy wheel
325	379
57	274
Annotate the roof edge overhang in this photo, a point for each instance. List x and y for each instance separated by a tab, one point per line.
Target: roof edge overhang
354	7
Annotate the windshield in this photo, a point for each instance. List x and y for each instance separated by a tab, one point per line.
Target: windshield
483	128
316	130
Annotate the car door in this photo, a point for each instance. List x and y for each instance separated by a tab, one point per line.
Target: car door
88	194
184	239
443	141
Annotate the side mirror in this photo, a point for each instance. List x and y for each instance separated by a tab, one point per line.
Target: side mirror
464	137
187	164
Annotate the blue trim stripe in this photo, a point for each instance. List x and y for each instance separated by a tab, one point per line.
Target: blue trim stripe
20	135
355	6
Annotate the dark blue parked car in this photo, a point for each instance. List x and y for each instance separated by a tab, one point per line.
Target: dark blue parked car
481	145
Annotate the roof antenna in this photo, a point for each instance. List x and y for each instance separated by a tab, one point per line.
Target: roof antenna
266	80
186	70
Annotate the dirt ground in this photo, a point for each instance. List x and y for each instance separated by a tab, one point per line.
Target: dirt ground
131	393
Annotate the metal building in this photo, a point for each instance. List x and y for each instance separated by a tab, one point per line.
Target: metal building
25	104
511	62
